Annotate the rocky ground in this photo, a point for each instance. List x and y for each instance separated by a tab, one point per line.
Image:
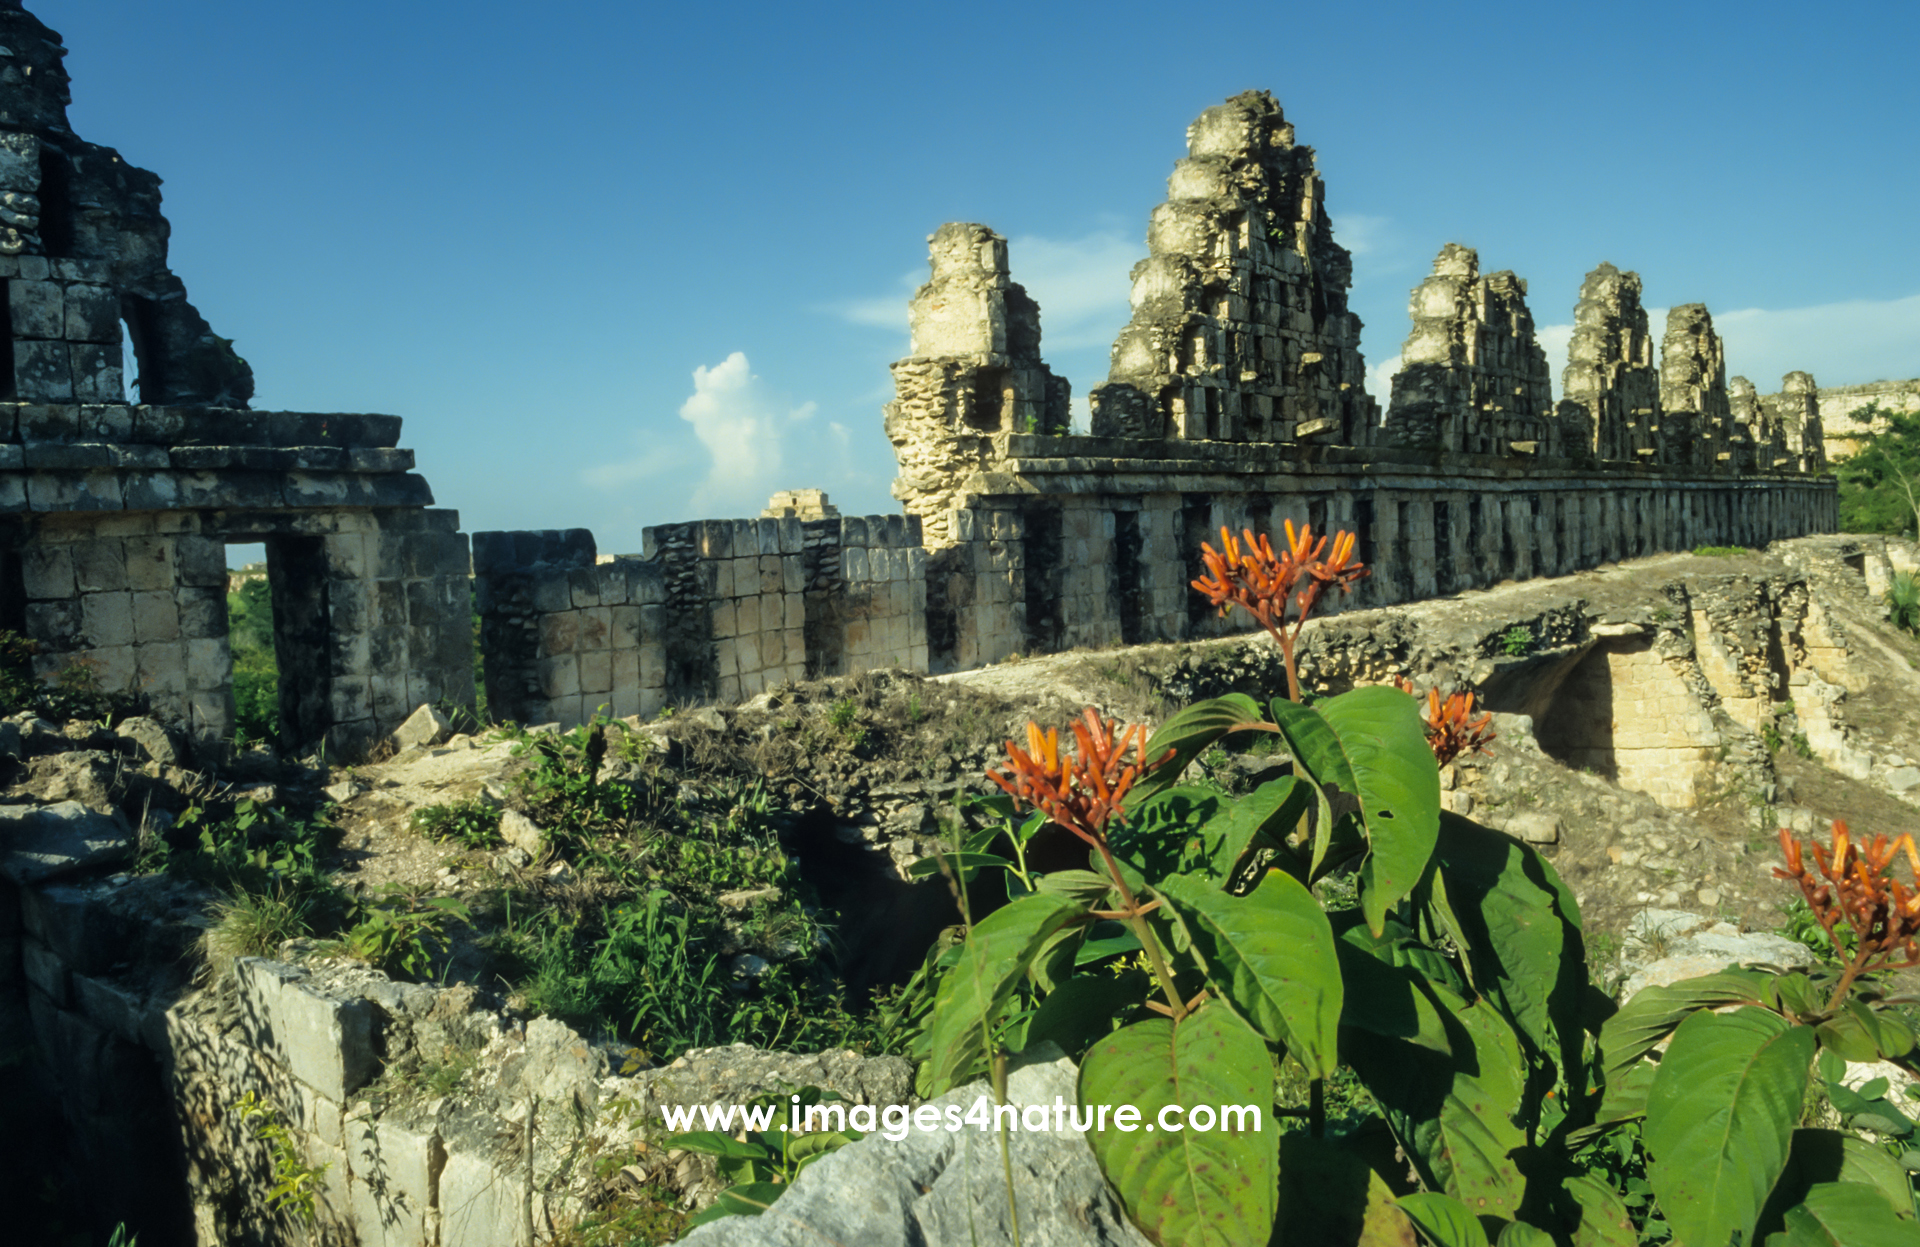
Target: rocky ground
853	778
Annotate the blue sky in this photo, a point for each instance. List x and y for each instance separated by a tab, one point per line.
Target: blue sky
622	264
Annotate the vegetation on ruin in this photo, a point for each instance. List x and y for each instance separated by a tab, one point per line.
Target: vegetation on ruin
1880	481
1201	957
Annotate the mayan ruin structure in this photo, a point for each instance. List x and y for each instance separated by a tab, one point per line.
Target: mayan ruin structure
115	516
1237	397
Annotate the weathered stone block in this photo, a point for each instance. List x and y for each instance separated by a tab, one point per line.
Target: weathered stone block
596	674
350	697
324	1040
41	372
162	667
96	371
156	616
37	309
44	969
395	1178
107	618
47	570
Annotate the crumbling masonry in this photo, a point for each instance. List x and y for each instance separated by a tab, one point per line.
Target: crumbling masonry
114	515
1237	398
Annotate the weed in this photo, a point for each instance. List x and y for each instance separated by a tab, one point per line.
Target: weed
403	935
1721	552
255	924
1663	614
474	823
1517	641
1903	602
295	1181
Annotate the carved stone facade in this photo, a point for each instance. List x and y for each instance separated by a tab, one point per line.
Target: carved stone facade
1693	390
114	515
1240	329
1472	379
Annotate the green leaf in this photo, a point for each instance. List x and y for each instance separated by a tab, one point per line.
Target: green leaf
714	1143
1211	1189
1823	1156
1605	1220
1388	1000
1845	1214
1331	1197
1107	946
1269	812
973	994
1861	1033
1520	1234
1188	734
1720	1117
1084	1007
1444	1219
1271	953
1654	1012
1371	745
1519	931
964	865
1083	886
1453	1114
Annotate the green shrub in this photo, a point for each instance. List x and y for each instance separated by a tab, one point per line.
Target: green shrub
1721	552
1903	601
1517	641
1192	959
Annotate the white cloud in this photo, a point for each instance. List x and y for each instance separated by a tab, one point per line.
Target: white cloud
1360	233
1081	285
1839	343
1380	381
744	429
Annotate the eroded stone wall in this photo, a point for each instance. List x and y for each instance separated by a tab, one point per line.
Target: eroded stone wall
1839	404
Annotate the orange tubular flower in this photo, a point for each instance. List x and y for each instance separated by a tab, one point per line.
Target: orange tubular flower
1451	728
1261	582
1080	792
1853	883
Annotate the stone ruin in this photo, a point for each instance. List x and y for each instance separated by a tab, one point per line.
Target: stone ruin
1237	398
114	515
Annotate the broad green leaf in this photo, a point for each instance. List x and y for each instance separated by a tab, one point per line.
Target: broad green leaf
1269	812
1085	1007
714	1143
1520	1234
1453	1114
1388	1000
1605	1220
1720	1117
976	990
1054	963
1654	1012
1519	931
1331	1197
1194	1188
1861	1033
1444	1219
1106	946
1188	734
963	865
1370	744
1845	1214
1819	1156
1271	953
1083	886
1166	835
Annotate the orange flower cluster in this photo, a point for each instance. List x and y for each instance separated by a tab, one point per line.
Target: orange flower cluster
1261	582
1856	886
1451	728
1081	792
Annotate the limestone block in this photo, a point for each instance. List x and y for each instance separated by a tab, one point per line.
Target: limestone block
97	376
746	616
623	628
394	1181
324	1040
47	570
559	633
209	663
92	314
596	674
481	1206
162	667
349	697
724	617
107	618
596	628
156	616
772	577
38	309
558	676
46	971
551	592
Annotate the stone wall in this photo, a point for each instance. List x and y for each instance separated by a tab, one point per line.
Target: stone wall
114	515
1839	403
714	610
1472	378
1240	328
